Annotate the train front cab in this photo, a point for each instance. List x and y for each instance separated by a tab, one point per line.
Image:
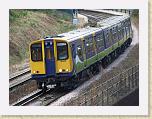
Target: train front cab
63	56
50	60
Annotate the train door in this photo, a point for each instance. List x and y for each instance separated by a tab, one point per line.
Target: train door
85	51
49	57
79	60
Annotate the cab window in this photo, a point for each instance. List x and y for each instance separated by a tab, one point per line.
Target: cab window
36	52
62	51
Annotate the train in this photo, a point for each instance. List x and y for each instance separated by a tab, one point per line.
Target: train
66	58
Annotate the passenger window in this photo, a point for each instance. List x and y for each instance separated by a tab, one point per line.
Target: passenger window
48	53
127	30
107	39
89	45
111	36
128	27
123	31
115	35
80	53
99	41
119	31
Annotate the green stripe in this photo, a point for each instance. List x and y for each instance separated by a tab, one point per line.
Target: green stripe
99	56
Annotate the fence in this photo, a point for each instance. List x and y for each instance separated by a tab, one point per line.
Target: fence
111	91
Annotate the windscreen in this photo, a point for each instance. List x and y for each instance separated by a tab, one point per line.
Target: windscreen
36	52
62	51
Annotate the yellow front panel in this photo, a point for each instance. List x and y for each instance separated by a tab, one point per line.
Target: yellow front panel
63	66
38	67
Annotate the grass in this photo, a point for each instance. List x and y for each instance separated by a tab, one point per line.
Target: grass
28	25
15	14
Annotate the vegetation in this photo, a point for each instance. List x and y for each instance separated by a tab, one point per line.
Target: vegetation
28	25
135	18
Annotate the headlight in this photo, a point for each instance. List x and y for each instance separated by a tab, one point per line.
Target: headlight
67	69
60	70
34	72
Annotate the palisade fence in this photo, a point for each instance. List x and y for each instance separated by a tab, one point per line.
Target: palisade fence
111	91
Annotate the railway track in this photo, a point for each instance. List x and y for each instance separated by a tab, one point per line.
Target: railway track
18	74
20	78
29	98
95	16
39	98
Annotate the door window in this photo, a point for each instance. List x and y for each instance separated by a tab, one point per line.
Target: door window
48	53
80	52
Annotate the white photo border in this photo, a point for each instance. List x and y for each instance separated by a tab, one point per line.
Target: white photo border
142	109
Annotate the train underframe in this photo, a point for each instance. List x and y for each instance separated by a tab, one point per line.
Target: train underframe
73	81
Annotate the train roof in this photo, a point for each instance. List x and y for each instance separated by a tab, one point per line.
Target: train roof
112	20
103	24
70	36
79	33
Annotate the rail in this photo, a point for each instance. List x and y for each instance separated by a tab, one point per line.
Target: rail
95	16
28	98
41	98
20	80
19	74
